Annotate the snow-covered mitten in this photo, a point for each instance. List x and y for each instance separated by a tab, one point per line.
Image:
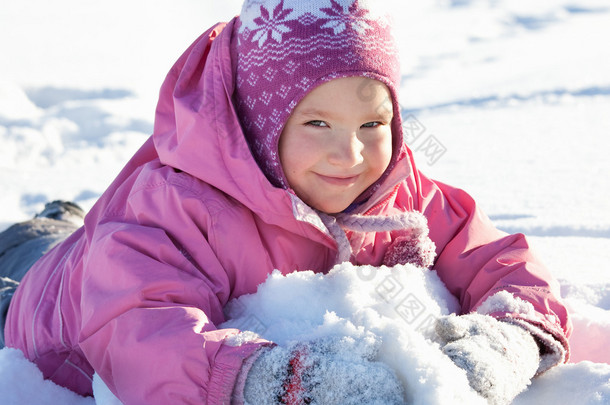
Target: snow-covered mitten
412	244
335	370
499	358
405	249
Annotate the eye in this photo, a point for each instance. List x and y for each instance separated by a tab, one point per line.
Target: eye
317	123
373	124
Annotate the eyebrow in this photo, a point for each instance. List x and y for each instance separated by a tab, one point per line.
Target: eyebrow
314	112
317	113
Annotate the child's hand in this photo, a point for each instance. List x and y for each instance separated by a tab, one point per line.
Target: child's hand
326	371
499	358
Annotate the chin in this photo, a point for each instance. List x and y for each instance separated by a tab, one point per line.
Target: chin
331	208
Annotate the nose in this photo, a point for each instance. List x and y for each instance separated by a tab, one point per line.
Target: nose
345	150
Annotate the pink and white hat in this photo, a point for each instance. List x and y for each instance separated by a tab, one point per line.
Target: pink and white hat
285	48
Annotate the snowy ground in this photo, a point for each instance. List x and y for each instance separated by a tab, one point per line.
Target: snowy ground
506	99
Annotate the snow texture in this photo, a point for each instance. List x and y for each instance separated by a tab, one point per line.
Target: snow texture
397	307
504	301
507	99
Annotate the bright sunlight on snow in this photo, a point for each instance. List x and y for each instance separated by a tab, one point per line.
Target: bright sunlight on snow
508	100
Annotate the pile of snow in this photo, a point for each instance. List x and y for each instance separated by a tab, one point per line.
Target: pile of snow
395	306
399	305
515	94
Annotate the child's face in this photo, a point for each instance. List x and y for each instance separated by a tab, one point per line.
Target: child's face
337	142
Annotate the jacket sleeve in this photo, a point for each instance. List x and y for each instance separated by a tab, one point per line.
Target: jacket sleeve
480	264
153	293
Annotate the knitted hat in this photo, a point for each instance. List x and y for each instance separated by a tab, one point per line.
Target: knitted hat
286	48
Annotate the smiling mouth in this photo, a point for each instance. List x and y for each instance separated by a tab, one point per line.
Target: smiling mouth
338	180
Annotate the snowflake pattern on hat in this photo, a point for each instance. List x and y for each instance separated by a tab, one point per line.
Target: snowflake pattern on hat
270	24
285	48
340	19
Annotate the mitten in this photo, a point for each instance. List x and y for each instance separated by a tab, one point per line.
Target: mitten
336	370
406	249
499	358
412	244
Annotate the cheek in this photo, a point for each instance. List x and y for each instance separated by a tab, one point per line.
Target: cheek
380	153
295	149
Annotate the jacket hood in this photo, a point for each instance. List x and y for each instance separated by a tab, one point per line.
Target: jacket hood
197	130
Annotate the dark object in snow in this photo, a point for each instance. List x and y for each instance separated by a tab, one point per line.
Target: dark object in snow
63	211
22	244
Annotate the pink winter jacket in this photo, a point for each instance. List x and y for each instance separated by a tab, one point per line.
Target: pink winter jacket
191	222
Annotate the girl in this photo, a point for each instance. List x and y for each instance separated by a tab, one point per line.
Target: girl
277	145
